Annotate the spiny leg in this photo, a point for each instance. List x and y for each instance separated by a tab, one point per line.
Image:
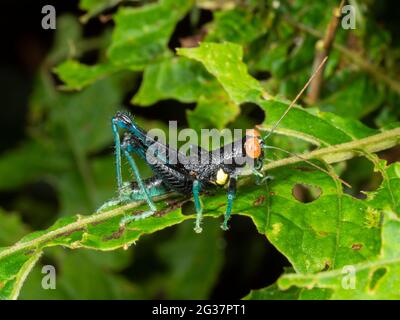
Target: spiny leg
121	121
199	210
117	143
147	197
231	196
122	197
125	193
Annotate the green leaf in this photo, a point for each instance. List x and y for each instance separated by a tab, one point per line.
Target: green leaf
214	111
14	271
328	128
224	61
373	279
86	115
164	81
319	128
141	34
69	31
76	75
140	37
360	97
293	293
322	254
11	228
27	163
237	25
327	229
176	78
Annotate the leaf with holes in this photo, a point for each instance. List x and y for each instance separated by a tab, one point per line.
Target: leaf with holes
376	278
335	237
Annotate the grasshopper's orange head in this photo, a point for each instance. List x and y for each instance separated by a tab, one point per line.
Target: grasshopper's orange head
252	145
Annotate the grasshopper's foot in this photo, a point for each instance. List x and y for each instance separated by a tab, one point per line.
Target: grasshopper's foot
109	204
123	198
199	218
126	219
224	226
263	179
198	229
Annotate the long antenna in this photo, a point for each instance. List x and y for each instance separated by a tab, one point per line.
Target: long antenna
310	163
297	97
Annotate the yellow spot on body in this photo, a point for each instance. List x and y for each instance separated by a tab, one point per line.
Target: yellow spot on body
222	177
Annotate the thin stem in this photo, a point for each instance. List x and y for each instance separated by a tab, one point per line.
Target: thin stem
322	52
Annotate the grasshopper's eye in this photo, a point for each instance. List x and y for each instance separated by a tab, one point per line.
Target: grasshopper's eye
123	119
222	177
252	147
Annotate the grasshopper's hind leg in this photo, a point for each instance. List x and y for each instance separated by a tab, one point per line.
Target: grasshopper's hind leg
125	193
143	190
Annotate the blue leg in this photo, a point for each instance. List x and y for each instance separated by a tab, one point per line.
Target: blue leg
126	193
122	198
122	121
143	189
117	143
199	210
139	180
231	196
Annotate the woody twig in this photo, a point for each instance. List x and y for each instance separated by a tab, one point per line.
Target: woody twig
323	48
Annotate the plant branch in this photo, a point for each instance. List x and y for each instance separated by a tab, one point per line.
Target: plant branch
322	51
345	151
74	226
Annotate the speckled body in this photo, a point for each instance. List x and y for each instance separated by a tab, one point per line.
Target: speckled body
177	171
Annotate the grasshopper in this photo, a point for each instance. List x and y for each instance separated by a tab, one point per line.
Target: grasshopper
200	171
